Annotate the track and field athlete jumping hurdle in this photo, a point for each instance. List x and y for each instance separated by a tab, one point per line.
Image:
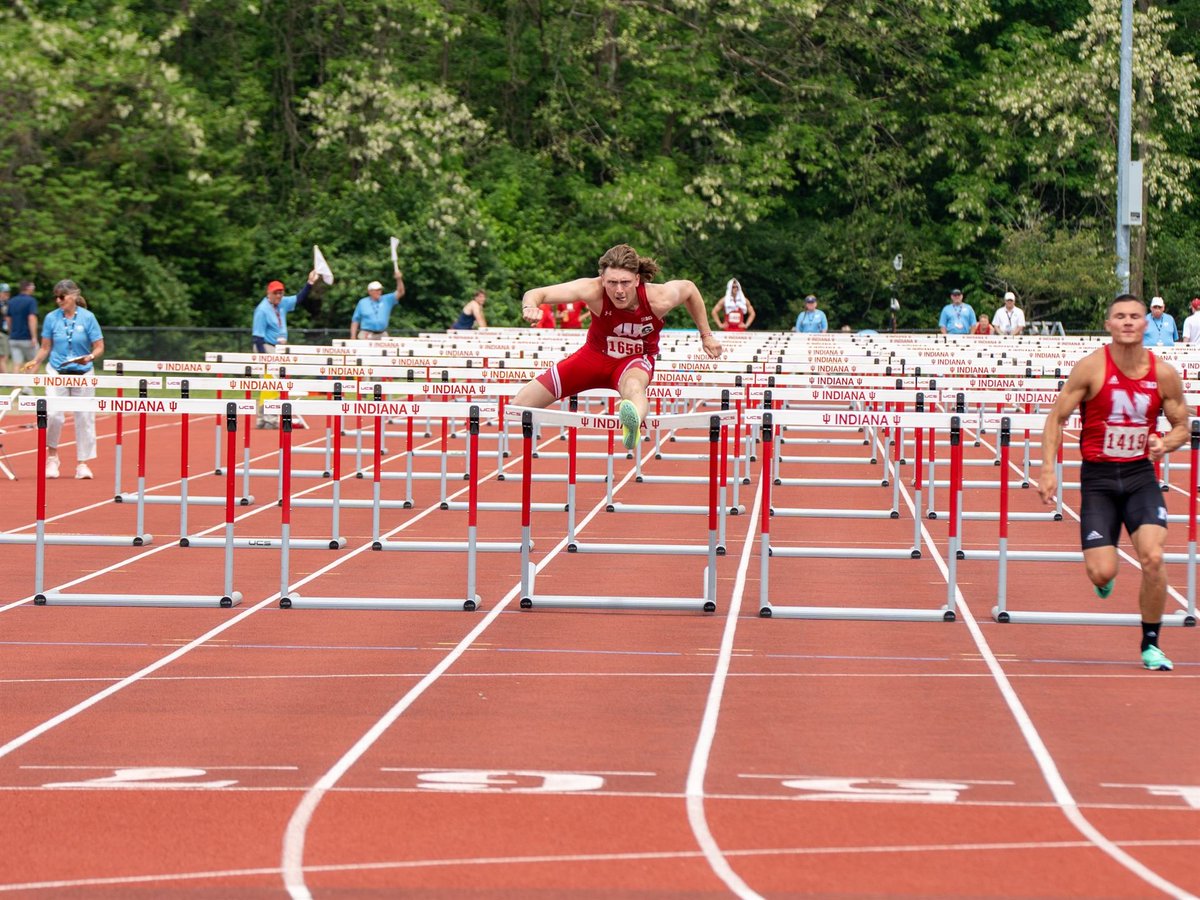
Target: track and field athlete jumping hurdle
622	338
1119	390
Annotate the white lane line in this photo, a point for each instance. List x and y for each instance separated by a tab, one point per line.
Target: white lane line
1033	739
292	864
85	704
576	858
698	766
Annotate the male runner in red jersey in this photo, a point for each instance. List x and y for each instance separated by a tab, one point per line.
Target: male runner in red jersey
1119	390
622	338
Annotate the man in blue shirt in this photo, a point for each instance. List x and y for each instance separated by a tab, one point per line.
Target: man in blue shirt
812	320
270	316
957	317
21	322
270	326
4	294
370	319
1160	326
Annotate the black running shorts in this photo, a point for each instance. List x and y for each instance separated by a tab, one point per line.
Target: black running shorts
1116	493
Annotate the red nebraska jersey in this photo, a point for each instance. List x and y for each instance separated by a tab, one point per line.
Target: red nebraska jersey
1118	421
625	332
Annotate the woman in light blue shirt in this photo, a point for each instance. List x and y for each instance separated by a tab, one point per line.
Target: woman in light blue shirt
812	320
72	340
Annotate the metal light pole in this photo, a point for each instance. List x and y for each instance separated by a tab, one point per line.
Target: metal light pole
1124	144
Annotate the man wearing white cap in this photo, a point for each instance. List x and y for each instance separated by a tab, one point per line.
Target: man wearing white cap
370	319
1008	319
1160	326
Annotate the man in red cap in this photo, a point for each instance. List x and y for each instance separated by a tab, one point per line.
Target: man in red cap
270	322
1191	325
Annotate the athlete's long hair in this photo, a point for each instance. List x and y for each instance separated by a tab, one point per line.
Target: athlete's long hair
623	256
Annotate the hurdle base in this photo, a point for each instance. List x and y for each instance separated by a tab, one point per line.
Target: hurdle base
771	611
295	601
803	512
566	601
660	509
88	540
450	546
265	543
1028	617
55	598
668	549
845	553
176	499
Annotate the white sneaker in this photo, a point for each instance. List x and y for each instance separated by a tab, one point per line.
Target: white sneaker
82	471
51	466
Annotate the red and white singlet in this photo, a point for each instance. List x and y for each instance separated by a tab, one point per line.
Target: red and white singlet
619	333
1118	421
735	315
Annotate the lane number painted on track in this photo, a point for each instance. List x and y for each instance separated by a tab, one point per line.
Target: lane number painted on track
880	790
516	782
147	778
1188	793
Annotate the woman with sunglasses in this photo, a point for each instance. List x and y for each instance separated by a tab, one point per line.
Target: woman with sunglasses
72	340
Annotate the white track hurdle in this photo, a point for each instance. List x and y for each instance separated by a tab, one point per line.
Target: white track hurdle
1003	555
769	419
291	600
228	598
706	602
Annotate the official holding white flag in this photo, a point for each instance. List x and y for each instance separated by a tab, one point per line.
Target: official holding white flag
371	313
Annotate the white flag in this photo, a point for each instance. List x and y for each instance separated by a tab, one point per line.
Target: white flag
395	260
321	267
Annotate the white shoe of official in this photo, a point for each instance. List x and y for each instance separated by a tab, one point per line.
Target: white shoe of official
82	471
52	467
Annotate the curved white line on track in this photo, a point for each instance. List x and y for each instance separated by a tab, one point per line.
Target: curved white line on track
409	864
292	864
1045	761
708	725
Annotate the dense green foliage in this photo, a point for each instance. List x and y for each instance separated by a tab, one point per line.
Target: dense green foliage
172	157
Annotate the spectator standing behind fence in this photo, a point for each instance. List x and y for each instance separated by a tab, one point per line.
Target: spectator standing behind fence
957	317
811	320
1008	318
21	322
370	319
573	314
1160	326
5	292
1191	325
733	312
72	340
472	313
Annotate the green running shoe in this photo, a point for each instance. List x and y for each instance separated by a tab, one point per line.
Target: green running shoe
631	424
1103	591
1155	660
